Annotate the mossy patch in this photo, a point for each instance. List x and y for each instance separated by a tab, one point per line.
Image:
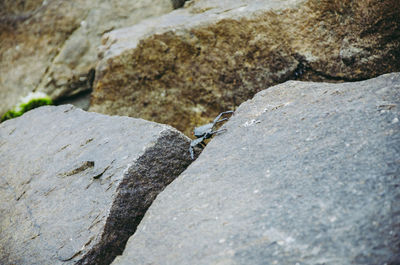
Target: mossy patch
30	102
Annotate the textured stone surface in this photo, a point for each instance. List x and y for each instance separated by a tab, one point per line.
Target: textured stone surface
51	46
186	66
74	185
306	173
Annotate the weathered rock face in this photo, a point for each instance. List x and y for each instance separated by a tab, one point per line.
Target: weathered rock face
51	46
74	185
306	173
185	67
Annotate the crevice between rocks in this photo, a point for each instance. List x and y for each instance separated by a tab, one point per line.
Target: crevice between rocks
82	98
305	72
178	3
336	79
142	182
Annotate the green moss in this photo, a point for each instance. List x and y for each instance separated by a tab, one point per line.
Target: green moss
24	107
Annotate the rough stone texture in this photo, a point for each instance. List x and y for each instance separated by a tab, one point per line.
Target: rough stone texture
186	66
306	173
74	185
51	46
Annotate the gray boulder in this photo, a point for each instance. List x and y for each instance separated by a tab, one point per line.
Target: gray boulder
306	173
74	185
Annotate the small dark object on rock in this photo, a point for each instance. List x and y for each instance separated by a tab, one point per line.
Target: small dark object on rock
206	131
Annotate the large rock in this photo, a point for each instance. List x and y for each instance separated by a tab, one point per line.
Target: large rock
51	46
306	173
186	66
74	185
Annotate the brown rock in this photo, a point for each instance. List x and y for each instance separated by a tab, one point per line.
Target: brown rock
185	67
51	46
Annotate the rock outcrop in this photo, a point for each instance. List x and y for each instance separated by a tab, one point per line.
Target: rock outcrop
306	173
74	185
51	46
186	66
